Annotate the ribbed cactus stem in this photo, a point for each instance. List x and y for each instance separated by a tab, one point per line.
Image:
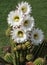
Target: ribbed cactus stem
39	61
13	55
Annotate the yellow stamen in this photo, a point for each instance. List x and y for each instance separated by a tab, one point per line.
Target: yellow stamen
20	33
16	18
26	23
35	36
24	9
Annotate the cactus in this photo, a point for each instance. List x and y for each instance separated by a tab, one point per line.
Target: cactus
22	37
8	32
39	61
29	57
28	44
8	57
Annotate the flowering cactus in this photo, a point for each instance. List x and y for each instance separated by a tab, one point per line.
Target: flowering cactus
23	34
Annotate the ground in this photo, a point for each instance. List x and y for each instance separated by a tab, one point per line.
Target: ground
39	12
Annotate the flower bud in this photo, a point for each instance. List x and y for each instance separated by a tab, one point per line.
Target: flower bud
23	46
28	44
18	47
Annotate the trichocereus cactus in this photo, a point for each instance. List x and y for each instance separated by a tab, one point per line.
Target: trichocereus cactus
39	61
23	34
8	57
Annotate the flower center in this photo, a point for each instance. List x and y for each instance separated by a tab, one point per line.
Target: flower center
20	33
35	36
16	18
24	9
26	23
